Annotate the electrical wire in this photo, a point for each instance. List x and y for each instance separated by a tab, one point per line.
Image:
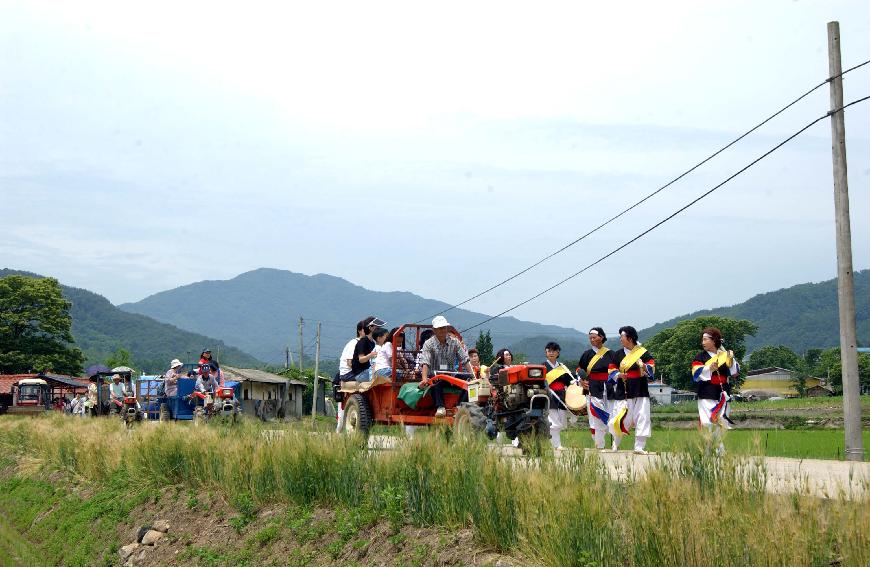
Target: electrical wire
672	215
644	199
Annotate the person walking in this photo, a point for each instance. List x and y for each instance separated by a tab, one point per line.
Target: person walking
712	371
558	379
630	370
594	363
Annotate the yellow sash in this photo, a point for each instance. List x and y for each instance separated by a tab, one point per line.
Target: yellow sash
601	352
718	360
631	359
556	373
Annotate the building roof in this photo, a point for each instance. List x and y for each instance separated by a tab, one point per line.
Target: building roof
6	381
252	375
769	370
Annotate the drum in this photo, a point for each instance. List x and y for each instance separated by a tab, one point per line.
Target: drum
575	399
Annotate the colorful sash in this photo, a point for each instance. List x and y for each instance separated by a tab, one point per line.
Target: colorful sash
631	359
601	352
718	360
619	422
556	373
596	411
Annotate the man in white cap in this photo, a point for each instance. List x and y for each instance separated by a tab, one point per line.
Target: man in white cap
170	379
440	354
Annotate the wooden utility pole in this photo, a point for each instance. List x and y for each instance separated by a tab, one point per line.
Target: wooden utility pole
316	370
301	355
845	281
287	357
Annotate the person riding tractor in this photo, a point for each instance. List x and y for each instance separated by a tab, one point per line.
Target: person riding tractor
443	352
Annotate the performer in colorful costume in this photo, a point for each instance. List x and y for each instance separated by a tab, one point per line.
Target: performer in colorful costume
595	364
630	371
712	371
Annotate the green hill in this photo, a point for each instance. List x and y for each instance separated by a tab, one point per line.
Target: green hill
259	312
100	329
800	317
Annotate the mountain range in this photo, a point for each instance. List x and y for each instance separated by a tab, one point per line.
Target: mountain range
258	311
800	317
100	329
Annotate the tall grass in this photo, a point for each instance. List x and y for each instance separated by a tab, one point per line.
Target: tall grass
695	509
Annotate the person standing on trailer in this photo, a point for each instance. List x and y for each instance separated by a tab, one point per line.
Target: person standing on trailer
631	369
594	363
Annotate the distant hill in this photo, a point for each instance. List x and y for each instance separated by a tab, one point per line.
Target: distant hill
100	328
799	317
259	311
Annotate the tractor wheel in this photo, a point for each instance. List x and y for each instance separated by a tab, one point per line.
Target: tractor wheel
469	421
164	412
198	416
357	415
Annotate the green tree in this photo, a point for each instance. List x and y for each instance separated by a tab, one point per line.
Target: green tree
830	367
674	348
484	347
35	327
779	356
120	357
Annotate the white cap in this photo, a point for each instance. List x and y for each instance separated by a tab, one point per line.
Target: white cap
175	363
439	321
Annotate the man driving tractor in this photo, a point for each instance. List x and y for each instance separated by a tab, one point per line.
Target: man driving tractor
440	354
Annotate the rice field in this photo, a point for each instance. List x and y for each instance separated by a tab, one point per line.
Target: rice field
794	443
697	510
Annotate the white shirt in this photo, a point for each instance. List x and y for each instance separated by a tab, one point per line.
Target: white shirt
346	354
384	359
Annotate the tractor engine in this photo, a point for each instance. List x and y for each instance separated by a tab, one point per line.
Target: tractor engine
518	386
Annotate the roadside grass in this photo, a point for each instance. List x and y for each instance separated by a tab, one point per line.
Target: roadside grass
556	514
794	443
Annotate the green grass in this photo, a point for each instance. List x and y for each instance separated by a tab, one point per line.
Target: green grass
795	443
429	481
834	403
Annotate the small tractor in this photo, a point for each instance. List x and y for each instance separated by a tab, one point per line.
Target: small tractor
514	401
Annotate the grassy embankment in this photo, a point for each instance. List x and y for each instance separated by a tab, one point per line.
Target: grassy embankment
552	514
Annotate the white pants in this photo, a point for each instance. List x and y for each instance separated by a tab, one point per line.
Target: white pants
705	409
598	427
340	415
637	417
500	437
558	422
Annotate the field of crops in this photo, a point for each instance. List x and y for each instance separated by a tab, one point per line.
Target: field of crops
549	513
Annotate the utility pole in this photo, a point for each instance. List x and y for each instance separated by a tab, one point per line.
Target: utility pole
287	358
316	370
845	282
301	355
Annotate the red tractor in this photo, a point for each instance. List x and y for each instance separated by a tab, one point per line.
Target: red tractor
514	400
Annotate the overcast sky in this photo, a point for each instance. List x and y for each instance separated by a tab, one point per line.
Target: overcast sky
429	147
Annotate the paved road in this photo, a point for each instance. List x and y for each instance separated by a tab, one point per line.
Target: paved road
828	479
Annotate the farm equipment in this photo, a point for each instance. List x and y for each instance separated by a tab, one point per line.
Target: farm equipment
515	400
378	401
126	406
188	404
30	396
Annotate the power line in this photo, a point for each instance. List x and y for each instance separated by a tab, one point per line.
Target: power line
672	215
654	193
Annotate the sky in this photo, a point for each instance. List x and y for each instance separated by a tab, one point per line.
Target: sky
436	148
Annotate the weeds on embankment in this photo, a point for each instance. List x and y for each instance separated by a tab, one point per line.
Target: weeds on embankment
698	509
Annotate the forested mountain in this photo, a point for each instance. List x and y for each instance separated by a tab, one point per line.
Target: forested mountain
259	312
800	317
100	329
